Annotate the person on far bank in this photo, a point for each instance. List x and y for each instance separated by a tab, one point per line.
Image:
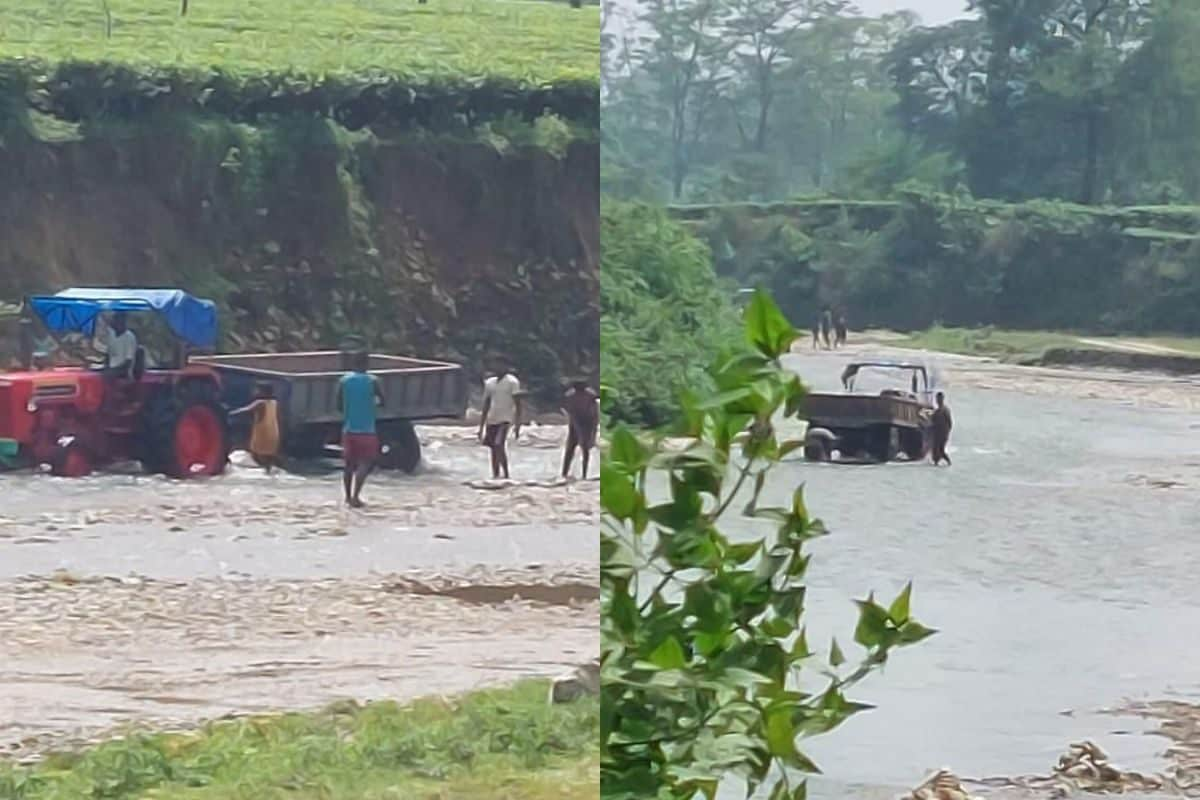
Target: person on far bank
501	412
840	329
264	428
826	326
583	421
359	396
942	423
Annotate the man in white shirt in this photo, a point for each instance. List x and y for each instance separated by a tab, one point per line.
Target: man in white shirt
121	348
501	411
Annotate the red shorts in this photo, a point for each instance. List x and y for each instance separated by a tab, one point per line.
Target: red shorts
360	449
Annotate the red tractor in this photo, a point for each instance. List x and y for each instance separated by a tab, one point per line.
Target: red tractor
74	419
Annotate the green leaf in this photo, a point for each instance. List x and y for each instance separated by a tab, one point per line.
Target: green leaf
899	609
800	649
669	655
625	452
618	496
912	632
781	735
767	329
836	658
872	630
777	627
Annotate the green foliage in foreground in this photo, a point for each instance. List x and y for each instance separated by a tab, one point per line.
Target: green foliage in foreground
664	313
533	43
500	744
706	670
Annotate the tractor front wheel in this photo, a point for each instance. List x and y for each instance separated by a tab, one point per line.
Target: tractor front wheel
70	461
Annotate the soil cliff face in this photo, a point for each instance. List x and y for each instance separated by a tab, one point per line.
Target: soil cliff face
305	233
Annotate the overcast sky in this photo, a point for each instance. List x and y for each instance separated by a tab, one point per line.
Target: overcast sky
933	12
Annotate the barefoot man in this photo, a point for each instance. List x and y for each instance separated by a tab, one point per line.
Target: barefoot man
583	419
501	412
359	395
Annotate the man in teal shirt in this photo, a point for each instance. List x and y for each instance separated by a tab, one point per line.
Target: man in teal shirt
358	397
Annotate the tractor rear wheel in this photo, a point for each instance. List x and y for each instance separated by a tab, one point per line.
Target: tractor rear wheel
186	437
400	448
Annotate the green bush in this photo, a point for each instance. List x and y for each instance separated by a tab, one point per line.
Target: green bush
702	641
664	313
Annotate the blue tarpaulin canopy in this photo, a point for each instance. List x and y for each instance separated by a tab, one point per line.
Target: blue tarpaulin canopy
75	311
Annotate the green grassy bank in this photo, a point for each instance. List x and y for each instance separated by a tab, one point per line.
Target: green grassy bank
1031	346
505	744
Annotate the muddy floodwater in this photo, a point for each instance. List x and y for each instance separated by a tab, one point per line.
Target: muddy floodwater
1058	557
130	599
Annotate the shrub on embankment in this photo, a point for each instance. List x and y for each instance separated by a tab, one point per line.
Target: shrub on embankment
925	259
665	314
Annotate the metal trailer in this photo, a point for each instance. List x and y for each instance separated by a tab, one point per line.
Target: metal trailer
879	425
306	386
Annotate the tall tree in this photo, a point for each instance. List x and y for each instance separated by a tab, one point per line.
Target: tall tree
1091	41
686	57
762	30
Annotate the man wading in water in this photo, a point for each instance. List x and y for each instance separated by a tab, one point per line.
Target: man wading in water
583	419
358	397
501	411
941	430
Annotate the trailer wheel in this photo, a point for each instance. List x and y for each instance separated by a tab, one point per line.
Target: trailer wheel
883	443
819	444
400	448
914	443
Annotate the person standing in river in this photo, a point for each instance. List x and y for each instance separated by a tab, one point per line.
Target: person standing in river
942	424
826	326
583	421
359	395
501	413
264	427
840	330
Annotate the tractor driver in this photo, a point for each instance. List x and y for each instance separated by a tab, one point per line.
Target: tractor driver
121	347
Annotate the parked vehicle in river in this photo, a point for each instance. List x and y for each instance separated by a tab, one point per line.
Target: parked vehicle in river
73	419
859	423
306	386
171	412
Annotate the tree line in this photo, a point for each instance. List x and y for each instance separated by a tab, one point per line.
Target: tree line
1091	101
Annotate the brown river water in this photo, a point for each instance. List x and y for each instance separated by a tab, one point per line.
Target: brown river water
128	599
